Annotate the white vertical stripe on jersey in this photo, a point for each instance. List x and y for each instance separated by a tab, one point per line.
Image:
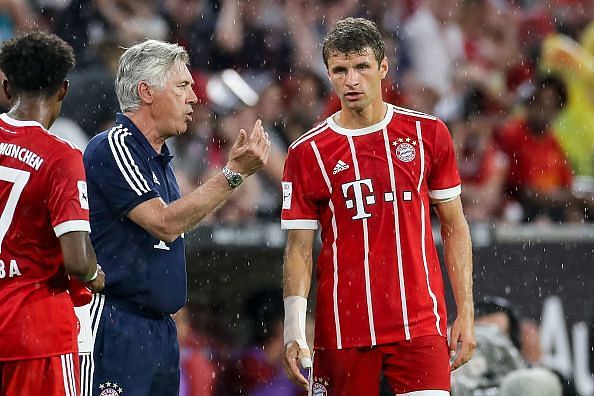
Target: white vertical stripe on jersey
423	247
397	234
87	361
136	172
65	375
366	246
334	249
112	142
72	373
97	304
86	374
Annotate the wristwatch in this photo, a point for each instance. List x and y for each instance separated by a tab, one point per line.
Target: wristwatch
233	178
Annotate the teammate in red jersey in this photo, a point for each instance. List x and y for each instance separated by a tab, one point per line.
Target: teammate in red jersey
44	223
368	175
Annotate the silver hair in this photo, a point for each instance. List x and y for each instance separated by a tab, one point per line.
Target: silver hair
149	62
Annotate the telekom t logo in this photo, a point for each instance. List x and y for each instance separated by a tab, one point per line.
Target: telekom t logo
362	197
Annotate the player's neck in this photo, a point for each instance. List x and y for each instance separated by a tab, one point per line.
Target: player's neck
357	119
33	109
148	128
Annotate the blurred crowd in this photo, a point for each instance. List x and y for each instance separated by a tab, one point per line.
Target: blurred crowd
513	79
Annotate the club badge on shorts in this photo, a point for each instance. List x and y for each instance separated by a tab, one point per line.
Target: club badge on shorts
405	149
319	387
110	389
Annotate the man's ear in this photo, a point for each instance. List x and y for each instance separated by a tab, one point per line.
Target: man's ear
63	90
384	67
146	93
6	89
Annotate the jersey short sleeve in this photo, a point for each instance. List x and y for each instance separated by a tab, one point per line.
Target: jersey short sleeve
298	210
119	170
443	179
68	202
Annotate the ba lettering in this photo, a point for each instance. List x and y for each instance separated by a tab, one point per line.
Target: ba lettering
13	269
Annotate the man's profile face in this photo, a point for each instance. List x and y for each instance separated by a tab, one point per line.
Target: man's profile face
172	106
356	77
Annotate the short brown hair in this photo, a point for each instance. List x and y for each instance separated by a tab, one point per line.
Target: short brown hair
352	35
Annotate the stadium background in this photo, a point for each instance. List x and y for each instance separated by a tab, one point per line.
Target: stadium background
471	62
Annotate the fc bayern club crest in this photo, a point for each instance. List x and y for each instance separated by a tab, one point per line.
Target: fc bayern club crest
405	149
319	389
110	389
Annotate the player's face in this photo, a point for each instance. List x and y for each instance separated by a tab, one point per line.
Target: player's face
356	78
172	106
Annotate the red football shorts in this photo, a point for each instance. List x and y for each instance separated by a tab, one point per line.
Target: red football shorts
56	376
418	367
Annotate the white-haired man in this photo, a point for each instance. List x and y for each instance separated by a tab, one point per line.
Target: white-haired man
138	219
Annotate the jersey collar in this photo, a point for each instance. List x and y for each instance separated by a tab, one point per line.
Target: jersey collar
148	148
18	123
362	131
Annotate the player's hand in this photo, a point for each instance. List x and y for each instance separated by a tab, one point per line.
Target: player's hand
295	357
250	154
462	341
99	282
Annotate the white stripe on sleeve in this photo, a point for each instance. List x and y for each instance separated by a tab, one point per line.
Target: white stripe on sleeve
118	156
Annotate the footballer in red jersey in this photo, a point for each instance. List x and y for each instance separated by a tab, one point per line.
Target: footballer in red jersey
44	224
367	176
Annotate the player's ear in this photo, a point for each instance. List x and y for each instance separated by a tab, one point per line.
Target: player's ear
145	92
384	67
6	89
63	90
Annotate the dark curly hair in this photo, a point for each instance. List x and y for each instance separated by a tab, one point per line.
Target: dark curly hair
36	63
352	35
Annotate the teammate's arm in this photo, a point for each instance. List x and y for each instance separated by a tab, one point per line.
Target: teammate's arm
80	260
297	273
458	257
168	222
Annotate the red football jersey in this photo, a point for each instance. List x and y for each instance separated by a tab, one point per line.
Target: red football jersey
42	196
379	279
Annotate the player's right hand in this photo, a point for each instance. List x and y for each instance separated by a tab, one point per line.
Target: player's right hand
250	154
98	283
295	357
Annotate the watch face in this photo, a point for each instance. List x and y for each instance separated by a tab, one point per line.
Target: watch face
235	180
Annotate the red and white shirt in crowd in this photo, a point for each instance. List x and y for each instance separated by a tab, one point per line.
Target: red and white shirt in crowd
379	278
42	196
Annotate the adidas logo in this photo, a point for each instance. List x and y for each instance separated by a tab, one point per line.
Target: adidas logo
339	167
155	179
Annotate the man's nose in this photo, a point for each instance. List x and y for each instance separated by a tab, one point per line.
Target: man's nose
192	98
352	78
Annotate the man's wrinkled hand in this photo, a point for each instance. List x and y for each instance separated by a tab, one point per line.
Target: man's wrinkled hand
250	154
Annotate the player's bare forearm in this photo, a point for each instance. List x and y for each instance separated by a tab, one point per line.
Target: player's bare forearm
78	255
458	256
298	263
297	271
458	253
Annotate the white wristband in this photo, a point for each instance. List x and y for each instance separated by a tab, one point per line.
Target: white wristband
295	312
94	276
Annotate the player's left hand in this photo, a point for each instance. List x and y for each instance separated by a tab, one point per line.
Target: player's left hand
462	341
295	356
